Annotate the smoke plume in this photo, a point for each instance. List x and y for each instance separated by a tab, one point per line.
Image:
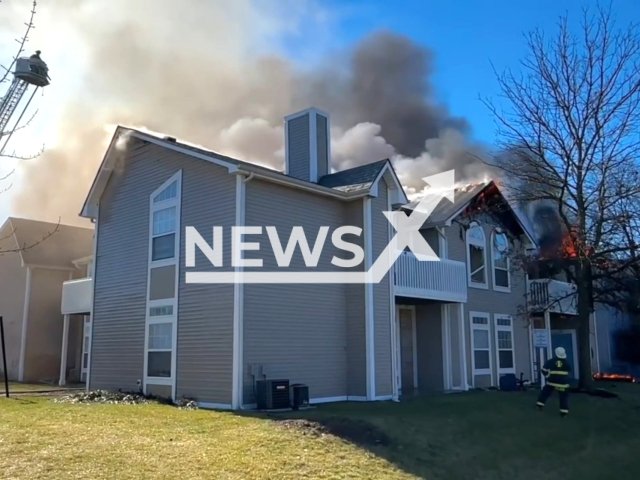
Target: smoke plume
217	74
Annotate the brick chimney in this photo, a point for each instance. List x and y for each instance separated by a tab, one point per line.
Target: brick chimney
307	144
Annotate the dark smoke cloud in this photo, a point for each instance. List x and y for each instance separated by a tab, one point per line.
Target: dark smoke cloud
204	84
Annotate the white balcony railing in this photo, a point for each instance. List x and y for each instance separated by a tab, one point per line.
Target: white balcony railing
552	295
445	280
77	296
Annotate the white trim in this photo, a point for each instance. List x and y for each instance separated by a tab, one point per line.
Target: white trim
398	190
414	334
398	352
93	295
574	341
463	334
238	304
504	328
328	399
532	349
468	243
369	306
286	147
175	202
89	207
547	325
392	313
64	351
443	247
25	325
484	327
313	147
499	288
384	398
214	406
446	347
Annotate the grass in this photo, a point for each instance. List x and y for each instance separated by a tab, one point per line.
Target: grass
483	435
15	387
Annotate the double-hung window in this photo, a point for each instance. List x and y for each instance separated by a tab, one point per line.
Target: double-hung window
476	256
504	344
481	343
160	341
500	257
164	212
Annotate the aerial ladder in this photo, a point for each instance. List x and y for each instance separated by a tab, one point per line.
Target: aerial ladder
29	71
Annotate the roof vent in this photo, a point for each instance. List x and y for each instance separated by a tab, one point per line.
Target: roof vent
169	139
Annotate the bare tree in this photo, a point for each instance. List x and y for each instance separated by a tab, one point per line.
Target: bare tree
571	125
5	78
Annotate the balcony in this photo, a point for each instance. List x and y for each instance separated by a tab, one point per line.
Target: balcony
445	280
77	296
552	295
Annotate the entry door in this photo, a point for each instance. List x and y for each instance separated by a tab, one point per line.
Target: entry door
566	339
407	333
86	342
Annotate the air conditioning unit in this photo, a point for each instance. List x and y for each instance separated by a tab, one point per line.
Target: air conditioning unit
272	394
299	396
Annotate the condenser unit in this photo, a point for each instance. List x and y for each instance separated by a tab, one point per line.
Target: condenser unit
299	396
272	394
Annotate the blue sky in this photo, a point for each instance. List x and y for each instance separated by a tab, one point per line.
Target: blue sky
466	36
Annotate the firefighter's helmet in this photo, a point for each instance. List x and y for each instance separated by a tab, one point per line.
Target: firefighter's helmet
560	353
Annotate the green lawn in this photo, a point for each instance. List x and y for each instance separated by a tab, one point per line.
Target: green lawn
479	435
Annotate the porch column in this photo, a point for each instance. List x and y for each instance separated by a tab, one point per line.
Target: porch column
63	355
463	349
547	325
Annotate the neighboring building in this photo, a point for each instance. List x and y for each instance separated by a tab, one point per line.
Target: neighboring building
421	329
36	258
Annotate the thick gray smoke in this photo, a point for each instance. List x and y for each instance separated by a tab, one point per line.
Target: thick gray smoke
198	71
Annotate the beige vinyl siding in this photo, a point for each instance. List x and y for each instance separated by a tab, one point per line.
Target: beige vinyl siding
44	327
205	312
121	263
294	331
381	295
493	302
13	280
299	147
355	304
429	344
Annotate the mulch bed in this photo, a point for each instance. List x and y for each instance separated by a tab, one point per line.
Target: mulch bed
355	431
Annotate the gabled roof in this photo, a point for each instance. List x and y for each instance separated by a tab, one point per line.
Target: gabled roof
357	178
46	244
342	190
447	211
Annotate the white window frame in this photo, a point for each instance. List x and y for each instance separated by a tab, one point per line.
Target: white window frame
499	288
504	328
161	319
487	328
469	242
173	302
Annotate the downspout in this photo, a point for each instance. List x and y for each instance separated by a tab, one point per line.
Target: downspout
237	386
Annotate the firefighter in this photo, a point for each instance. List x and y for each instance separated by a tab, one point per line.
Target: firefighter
556	372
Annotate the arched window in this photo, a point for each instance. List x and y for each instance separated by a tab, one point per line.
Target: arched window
476	256
500	258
